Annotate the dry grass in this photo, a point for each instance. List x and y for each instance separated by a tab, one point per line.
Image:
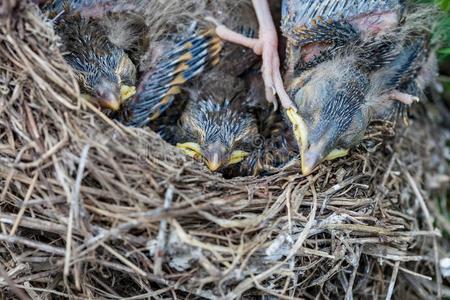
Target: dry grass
90	209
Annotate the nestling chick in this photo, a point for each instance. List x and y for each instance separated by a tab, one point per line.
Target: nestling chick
347	61
104	70
218	125
217	131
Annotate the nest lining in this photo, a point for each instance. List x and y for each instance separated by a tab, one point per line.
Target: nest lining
92	209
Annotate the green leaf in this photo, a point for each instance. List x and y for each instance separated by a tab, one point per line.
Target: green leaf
444	4
445	51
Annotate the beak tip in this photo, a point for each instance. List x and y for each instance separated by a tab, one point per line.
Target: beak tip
213	167
108	96
114	106
110	102
309	162
307	169
306	172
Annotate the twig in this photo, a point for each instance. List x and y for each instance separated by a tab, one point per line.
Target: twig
31	292
103	116
392	282
32	244
44	156
162	235
24	204
67	296
7	183
19	293
74	216
186	238
208	266
410	272
75	203
429	222
349	292
68	246
124	260
149	295
33	223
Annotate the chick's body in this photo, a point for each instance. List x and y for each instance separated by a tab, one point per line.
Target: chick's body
102	68
228	123
216	124
346	61
98	47
230	126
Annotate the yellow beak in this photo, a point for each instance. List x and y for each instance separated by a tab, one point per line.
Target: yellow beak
190	149
111	105
110	102
214	164
312	156
127	92
237	156
336	153
301	136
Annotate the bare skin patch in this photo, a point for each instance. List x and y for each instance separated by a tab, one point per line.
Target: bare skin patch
375	24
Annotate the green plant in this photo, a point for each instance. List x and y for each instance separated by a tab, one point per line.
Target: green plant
444	29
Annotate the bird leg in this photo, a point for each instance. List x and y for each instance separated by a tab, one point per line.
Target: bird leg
402	97
267	46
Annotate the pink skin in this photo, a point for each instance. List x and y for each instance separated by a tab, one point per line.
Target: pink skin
267	46
402	97
375	24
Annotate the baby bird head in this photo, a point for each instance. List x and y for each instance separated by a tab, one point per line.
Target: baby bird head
331	115
105	72
108	79
217	133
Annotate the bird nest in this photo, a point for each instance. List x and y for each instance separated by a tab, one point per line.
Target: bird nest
92	209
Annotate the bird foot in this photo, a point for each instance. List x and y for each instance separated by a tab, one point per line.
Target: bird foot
402	97
266	46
